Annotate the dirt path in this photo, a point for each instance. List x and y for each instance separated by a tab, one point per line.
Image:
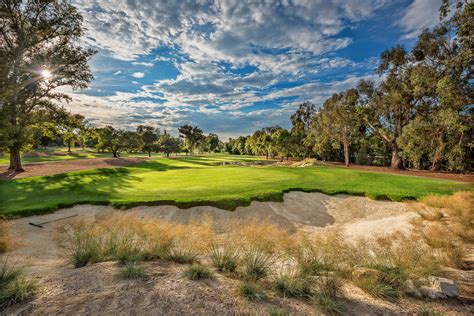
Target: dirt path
45	169
464	177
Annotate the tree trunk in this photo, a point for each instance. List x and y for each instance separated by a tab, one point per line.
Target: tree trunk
266	156
15	160
396	162
149	154
69	146
167	155
346	154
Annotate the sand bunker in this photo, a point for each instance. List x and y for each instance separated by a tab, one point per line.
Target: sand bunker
358	217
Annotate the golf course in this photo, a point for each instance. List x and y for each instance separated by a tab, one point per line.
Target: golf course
188	181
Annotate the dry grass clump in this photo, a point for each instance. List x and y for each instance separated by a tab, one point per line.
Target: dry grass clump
7	242
14	287
460	208
127	238
131	270
252	291
224	254
198	272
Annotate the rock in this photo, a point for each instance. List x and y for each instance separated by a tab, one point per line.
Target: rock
431	293
411	290
366	273
445	286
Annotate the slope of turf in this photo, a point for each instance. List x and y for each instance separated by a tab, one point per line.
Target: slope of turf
204	181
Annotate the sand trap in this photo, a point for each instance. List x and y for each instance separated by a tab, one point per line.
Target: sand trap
359	217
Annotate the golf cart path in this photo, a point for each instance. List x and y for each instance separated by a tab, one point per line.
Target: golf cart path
50	168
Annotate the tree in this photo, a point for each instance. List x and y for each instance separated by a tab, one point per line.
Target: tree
131	141
149	137
337	122
212	142
111	139
193	136
301	123
69	128
39	52
168	144
283	143
446	132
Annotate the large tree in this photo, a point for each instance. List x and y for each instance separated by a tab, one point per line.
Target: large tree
301	122
39	52
337	123
149	137
192	135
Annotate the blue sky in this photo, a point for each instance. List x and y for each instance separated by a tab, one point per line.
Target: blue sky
232	67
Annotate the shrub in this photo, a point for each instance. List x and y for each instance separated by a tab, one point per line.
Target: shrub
252	291
198	272
224	256
180	254
257	264
81	241
331	305
14	287
131	271
292	286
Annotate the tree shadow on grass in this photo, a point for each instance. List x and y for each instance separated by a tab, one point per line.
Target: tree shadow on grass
158	166
46	194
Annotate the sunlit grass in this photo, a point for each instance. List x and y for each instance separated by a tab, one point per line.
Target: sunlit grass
190	181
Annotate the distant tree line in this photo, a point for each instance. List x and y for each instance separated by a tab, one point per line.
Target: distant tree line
419	113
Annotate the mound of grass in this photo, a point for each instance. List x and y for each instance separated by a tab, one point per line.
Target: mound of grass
187	182
252	291
331	305
198	272
257	264
182	255
224	256
131	270
14	287
291	286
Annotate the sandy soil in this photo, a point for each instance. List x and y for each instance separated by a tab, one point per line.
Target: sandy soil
96	289
45	169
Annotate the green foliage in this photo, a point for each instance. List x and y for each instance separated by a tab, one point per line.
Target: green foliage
257	263
224	256
293	286
252	291
14	287
131	271
198	272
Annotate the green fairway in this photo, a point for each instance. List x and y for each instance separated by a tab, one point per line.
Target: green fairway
61	154
192	181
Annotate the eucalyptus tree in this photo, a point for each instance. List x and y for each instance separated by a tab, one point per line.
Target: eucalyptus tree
149	136
192	135
301	122
39	52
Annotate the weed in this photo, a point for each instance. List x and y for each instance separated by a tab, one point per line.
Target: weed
14	287
130	270
198	272
292	286
224	256
180	254
331	305
257	264
251	291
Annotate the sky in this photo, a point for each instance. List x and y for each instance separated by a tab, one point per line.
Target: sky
233	66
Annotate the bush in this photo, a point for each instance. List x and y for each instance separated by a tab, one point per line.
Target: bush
131	271
224	256
179	254
252	291
198	272
332	305
14	287
257	264
291	286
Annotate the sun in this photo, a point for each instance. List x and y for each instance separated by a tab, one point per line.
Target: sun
46	74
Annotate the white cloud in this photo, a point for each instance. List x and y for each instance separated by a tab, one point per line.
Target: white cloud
138	74
421	14
117	73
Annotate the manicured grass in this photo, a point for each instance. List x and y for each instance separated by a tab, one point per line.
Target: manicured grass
190	181
61	154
